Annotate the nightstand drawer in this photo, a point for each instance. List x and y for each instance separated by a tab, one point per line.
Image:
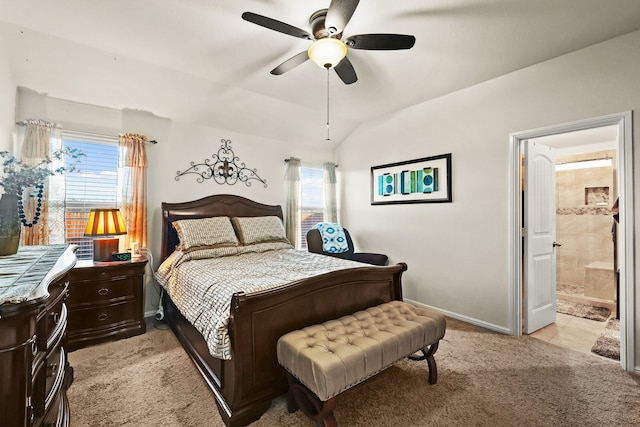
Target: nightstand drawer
100	291
110	271
103	317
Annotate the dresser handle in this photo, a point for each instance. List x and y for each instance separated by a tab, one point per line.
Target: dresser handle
56	317
103	291
102	317
53	368
30	412
34	346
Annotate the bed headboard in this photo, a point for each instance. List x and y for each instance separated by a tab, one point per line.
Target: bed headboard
216	205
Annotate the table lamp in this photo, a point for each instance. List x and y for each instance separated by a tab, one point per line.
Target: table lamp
103	225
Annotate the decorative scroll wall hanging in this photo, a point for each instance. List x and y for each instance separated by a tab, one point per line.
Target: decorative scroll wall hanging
226	168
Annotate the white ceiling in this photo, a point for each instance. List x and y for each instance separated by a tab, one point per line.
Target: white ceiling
197	61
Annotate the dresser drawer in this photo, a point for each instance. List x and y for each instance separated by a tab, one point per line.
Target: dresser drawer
91	292
54	374
103	317
52	323
58	414
49	380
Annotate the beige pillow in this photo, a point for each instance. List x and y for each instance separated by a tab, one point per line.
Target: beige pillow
259	229
214	231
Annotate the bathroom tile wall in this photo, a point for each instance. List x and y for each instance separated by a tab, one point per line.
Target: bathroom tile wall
584	221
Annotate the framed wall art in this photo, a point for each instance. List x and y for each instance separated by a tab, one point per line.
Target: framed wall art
426	180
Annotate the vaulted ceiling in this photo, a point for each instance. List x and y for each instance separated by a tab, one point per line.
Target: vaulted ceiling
198	61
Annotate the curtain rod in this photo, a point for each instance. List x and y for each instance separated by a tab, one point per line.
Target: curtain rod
309	163
26	122
59	126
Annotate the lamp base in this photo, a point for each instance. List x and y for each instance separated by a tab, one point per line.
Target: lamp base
103	248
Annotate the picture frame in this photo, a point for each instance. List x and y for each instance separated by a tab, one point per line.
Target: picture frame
424	180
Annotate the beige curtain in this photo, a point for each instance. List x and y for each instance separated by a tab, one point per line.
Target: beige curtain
330	203
133	155
36	148
292	207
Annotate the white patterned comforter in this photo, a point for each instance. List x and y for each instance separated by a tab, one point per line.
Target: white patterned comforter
202	282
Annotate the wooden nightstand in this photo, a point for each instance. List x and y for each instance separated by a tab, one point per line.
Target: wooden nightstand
105	302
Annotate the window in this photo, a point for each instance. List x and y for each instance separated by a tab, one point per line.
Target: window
311	200
93	184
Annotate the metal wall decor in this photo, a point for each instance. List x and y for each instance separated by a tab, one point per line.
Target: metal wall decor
225	169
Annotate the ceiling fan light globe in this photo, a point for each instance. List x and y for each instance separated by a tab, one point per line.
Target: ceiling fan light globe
327	52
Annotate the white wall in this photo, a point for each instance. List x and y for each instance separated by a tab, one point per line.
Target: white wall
7	103
178	145
458	252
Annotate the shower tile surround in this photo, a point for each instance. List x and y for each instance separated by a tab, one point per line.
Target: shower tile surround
584	198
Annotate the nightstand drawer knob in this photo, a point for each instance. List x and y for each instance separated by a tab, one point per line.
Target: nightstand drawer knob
102	317
103	291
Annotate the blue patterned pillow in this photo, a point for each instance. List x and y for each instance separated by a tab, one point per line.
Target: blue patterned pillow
334	241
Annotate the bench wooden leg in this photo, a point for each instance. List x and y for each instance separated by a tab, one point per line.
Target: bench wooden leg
427	354
300	397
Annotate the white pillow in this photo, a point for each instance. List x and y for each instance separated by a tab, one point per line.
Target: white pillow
260	229
203	232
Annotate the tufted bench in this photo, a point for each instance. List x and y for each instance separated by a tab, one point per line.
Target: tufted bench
324	360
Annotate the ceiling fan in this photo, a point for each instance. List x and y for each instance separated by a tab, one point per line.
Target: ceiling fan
328	49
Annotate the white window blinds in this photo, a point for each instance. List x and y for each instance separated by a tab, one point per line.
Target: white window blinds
312	199
93	184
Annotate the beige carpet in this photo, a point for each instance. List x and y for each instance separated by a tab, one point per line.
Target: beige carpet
485	379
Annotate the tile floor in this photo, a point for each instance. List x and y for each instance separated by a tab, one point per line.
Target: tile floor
571	332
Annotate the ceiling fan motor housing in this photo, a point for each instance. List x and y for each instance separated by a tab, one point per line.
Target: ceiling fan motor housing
318	28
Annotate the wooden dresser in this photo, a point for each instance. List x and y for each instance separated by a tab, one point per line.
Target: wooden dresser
106	302
34	371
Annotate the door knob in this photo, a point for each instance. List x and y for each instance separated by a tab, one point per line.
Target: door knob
556	244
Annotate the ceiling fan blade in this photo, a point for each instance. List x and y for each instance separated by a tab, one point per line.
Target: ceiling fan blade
275	25
381	41
346	72
339	14
290	63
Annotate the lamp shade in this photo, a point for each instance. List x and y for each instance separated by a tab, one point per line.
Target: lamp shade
105	222
327	52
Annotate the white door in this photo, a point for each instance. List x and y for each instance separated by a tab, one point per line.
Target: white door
539	237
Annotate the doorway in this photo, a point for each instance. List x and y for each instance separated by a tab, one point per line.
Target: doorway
585	194
622	125
586	191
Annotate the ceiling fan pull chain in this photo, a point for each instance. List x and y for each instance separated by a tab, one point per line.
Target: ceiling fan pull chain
328	137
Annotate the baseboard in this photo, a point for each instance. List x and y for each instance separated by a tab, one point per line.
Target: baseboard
151	313
463	318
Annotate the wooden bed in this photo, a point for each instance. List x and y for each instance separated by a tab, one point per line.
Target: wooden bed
245	385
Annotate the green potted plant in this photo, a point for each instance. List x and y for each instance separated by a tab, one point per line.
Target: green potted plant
16	177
